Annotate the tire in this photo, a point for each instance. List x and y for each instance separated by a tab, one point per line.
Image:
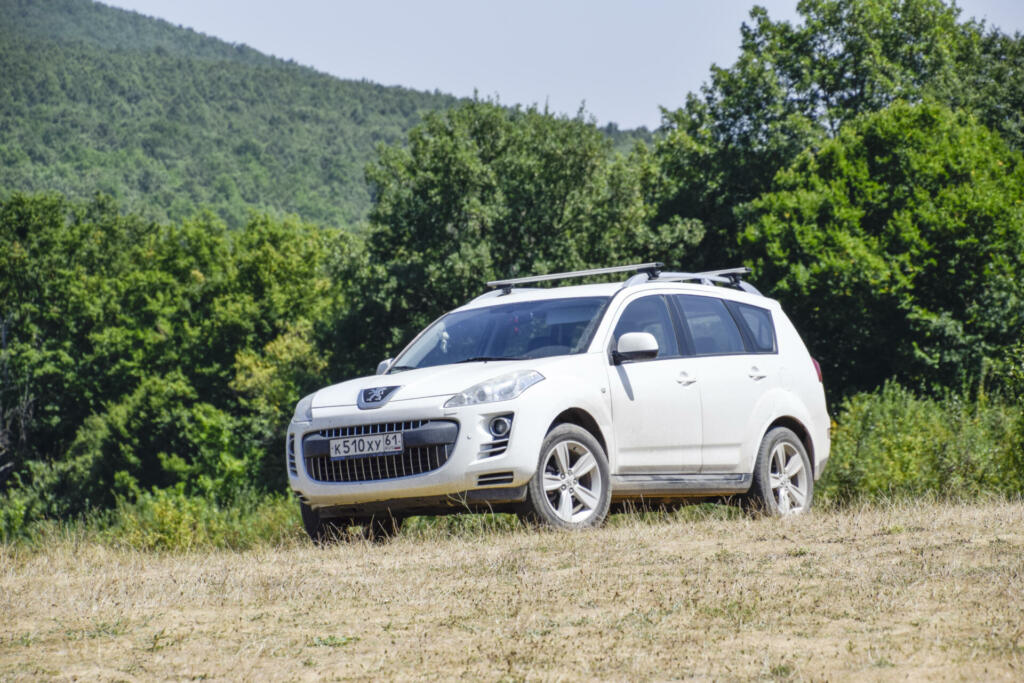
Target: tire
318	530
783	483
571	488
331	530
381	528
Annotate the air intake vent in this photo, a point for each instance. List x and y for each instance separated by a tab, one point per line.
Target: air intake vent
495	479
292	467
493	448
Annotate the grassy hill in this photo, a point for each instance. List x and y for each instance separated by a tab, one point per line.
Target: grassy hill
167	120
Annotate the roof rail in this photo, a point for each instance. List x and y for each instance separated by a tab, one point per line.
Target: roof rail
733	277
651	269
645	272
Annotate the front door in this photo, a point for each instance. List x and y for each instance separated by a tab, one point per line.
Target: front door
655	402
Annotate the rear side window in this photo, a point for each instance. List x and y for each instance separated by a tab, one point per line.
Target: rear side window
711	326
649	314
760	328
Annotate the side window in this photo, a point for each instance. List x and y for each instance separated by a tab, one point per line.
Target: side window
649	314
761	330
711	326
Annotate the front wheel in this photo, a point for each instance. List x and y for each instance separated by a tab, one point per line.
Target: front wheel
333	529
783	483
571	488
320	531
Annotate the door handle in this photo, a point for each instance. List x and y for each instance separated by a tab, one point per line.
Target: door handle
756	374
685	379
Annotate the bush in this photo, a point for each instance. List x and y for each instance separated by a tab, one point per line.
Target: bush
168	519
162	519
13	511
891	442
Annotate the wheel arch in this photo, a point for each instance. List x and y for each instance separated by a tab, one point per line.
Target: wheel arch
798	428
581	418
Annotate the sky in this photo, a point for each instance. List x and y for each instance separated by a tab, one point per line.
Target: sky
621	61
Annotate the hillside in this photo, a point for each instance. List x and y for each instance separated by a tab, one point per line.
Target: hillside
168	120
115	30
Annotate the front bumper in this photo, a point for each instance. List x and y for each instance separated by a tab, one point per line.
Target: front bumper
475	462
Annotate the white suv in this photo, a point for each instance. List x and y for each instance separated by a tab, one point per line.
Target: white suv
554	402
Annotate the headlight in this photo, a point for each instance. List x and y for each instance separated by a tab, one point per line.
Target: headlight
304	410
500	388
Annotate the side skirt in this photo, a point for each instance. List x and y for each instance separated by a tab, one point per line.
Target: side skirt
682	485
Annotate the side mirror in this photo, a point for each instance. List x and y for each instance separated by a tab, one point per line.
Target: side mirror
635	346
383	366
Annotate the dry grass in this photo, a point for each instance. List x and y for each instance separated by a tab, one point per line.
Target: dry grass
918	591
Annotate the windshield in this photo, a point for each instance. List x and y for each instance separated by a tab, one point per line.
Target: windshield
529	329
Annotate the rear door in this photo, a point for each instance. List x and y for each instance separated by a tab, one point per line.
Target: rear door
737	364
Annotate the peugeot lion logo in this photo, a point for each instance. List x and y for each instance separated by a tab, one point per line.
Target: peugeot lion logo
375	397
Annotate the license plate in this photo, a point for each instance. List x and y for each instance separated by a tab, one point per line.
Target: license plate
372	444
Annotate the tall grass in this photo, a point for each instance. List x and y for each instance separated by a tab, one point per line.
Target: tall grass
169	520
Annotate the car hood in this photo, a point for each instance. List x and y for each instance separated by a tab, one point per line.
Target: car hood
441	380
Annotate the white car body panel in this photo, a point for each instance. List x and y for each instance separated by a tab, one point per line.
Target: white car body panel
732	398
656	419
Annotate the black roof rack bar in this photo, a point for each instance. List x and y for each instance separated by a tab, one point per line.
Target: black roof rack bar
652	270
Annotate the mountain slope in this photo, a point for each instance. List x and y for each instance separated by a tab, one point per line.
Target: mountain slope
98	99
114	29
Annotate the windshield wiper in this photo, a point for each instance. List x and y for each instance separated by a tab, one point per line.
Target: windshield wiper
474	359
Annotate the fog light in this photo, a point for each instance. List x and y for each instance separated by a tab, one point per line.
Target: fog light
500	426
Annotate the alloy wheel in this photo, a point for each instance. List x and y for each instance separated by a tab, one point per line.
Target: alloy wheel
572	481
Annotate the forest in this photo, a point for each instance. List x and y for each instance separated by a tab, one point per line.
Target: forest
167	121
96	99
865	162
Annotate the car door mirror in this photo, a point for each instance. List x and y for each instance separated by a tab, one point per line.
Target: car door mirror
383	366
635	346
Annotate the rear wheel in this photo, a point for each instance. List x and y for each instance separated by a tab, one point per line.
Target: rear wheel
783	482
571	487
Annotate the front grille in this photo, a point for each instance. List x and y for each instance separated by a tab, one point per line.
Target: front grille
417	458
379	428
376	467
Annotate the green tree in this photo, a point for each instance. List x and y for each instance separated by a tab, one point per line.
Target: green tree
137	355
794	86
897	248
483	192
994	86
169	121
